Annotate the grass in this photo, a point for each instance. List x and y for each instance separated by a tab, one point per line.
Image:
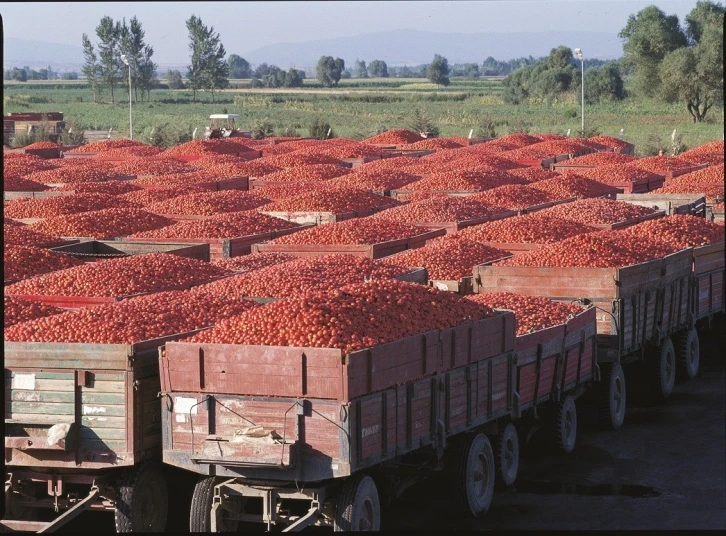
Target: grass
361	107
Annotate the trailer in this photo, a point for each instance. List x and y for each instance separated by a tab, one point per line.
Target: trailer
693	204
83	432
639	309
295	437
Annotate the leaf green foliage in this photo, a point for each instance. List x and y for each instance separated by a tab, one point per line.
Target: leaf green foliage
207	69
174	79
604	84
261	128
359	69
545	80
378	69
329	70
239	67
365	104
677	65
276	77
420	122
648	37
438	71
319	129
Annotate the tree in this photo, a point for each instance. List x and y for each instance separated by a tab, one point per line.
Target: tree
216	71
239	67
378	69
264	69
648	37
70	76
108	50
329	70
604	84
91	69
559	57
174	80
19	74
146	72
198	38
703	15
294	78
690	78
359	69
438	71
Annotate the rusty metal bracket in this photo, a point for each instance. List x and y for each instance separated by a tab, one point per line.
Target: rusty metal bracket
72	512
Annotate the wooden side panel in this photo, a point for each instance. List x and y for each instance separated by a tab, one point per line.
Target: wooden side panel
191	426
389	364
500	384
36	399
252	370
708	258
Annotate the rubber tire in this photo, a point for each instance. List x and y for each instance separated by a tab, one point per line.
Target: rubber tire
564	425
472	446
356	491
200	512
507	469
663	370
688	355
612	389
135	489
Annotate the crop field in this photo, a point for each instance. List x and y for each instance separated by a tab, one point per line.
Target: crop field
361	108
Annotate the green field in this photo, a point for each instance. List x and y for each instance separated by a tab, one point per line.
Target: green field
360	108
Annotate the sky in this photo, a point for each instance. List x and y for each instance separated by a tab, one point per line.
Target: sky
245	26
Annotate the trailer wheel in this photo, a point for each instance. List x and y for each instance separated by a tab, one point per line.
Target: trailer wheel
200	512
688	355
611	396
663	370
358	507
565	425
507	455
143	500
475	474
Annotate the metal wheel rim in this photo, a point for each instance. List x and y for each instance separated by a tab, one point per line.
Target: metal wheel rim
367	514
480	476
149	505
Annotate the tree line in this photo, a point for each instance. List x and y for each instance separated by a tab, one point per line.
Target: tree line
663	59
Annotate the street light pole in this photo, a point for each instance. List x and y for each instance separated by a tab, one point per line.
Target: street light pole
578	53
131	124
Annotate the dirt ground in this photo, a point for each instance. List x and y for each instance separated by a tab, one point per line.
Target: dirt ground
665	469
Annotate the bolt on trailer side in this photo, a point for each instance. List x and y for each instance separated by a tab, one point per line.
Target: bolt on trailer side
82	420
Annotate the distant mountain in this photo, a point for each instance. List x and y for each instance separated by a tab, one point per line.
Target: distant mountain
414	47
39	54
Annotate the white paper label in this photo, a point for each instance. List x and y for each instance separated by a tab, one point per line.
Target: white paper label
441	286
180	417
184	405
24	381
90	410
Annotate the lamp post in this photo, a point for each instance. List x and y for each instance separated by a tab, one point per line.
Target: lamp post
131	124
578	53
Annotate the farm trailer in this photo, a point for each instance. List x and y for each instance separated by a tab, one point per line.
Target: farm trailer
83	432
307	436
642	310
